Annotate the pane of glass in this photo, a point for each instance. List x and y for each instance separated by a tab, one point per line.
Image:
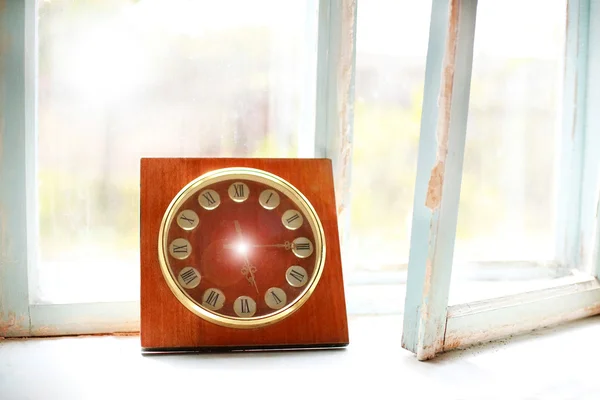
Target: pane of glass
506	224
391	50
121	79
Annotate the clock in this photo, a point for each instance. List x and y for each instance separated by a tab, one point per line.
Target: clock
241	247
239	254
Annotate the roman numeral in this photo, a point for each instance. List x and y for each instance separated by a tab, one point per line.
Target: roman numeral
269	198
189	276
277	299
292	218
239	190
212	298
296	275
245	306
303	246
190	220
180	249
209	198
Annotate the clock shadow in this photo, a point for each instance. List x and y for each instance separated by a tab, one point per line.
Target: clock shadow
208	353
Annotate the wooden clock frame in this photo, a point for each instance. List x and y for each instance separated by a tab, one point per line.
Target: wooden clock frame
167	325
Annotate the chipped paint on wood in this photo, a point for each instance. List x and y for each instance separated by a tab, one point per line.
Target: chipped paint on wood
439	173
345	104
436	180
12	324
495	319
335	97
434	189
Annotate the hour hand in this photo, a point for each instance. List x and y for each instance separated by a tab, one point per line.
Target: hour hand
248	271
238	228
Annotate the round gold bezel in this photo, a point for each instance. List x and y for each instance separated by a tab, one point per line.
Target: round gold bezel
243	173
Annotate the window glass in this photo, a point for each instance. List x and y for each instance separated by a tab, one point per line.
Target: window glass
505	236
391	49
121	79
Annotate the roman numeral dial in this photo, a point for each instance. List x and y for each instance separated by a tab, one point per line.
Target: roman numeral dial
180	249
187	220
296	276
302	247
244	306
292	219
243	250
189	277
269	199
209	199
213	299
275	298
238	192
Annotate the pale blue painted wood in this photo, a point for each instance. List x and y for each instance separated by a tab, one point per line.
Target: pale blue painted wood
308	99
17	103
570	200
336	54
471	323
501	317
336	60
441	147
326	102
590	202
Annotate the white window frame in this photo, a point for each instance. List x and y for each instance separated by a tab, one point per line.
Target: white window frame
331	118
431	326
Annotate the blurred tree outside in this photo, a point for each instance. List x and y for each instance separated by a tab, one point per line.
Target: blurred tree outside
123	79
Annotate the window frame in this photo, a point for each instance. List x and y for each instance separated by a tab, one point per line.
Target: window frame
331	120
431	326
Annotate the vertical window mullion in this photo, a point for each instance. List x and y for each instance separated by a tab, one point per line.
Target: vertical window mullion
17	163
439	173
308	110
589	123
336	61
571	194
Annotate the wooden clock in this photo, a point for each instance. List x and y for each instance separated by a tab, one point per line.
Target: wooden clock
239	253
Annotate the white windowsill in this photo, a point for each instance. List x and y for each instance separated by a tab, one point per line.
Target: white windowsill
556	363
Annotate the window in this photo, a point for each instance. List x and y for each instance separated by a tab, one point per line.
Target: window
388	94
122	80
430	324
506	232
465	161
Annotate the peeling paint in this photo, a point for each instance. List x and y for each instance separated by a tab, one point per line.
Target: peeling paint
575	86
436	180
13	325
345	82
460	338
434	190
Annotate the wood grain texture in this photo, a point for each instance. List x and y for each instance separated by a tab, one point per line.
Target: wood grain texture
167	324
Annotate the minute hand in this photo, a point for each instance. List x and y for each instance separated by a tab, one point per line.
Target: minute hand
286	245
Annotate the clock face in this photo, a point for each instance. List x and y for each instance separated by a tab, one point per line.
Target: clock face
241	247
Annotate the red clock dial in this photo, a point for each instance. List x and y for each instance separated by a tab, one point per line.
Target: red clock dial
239	247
